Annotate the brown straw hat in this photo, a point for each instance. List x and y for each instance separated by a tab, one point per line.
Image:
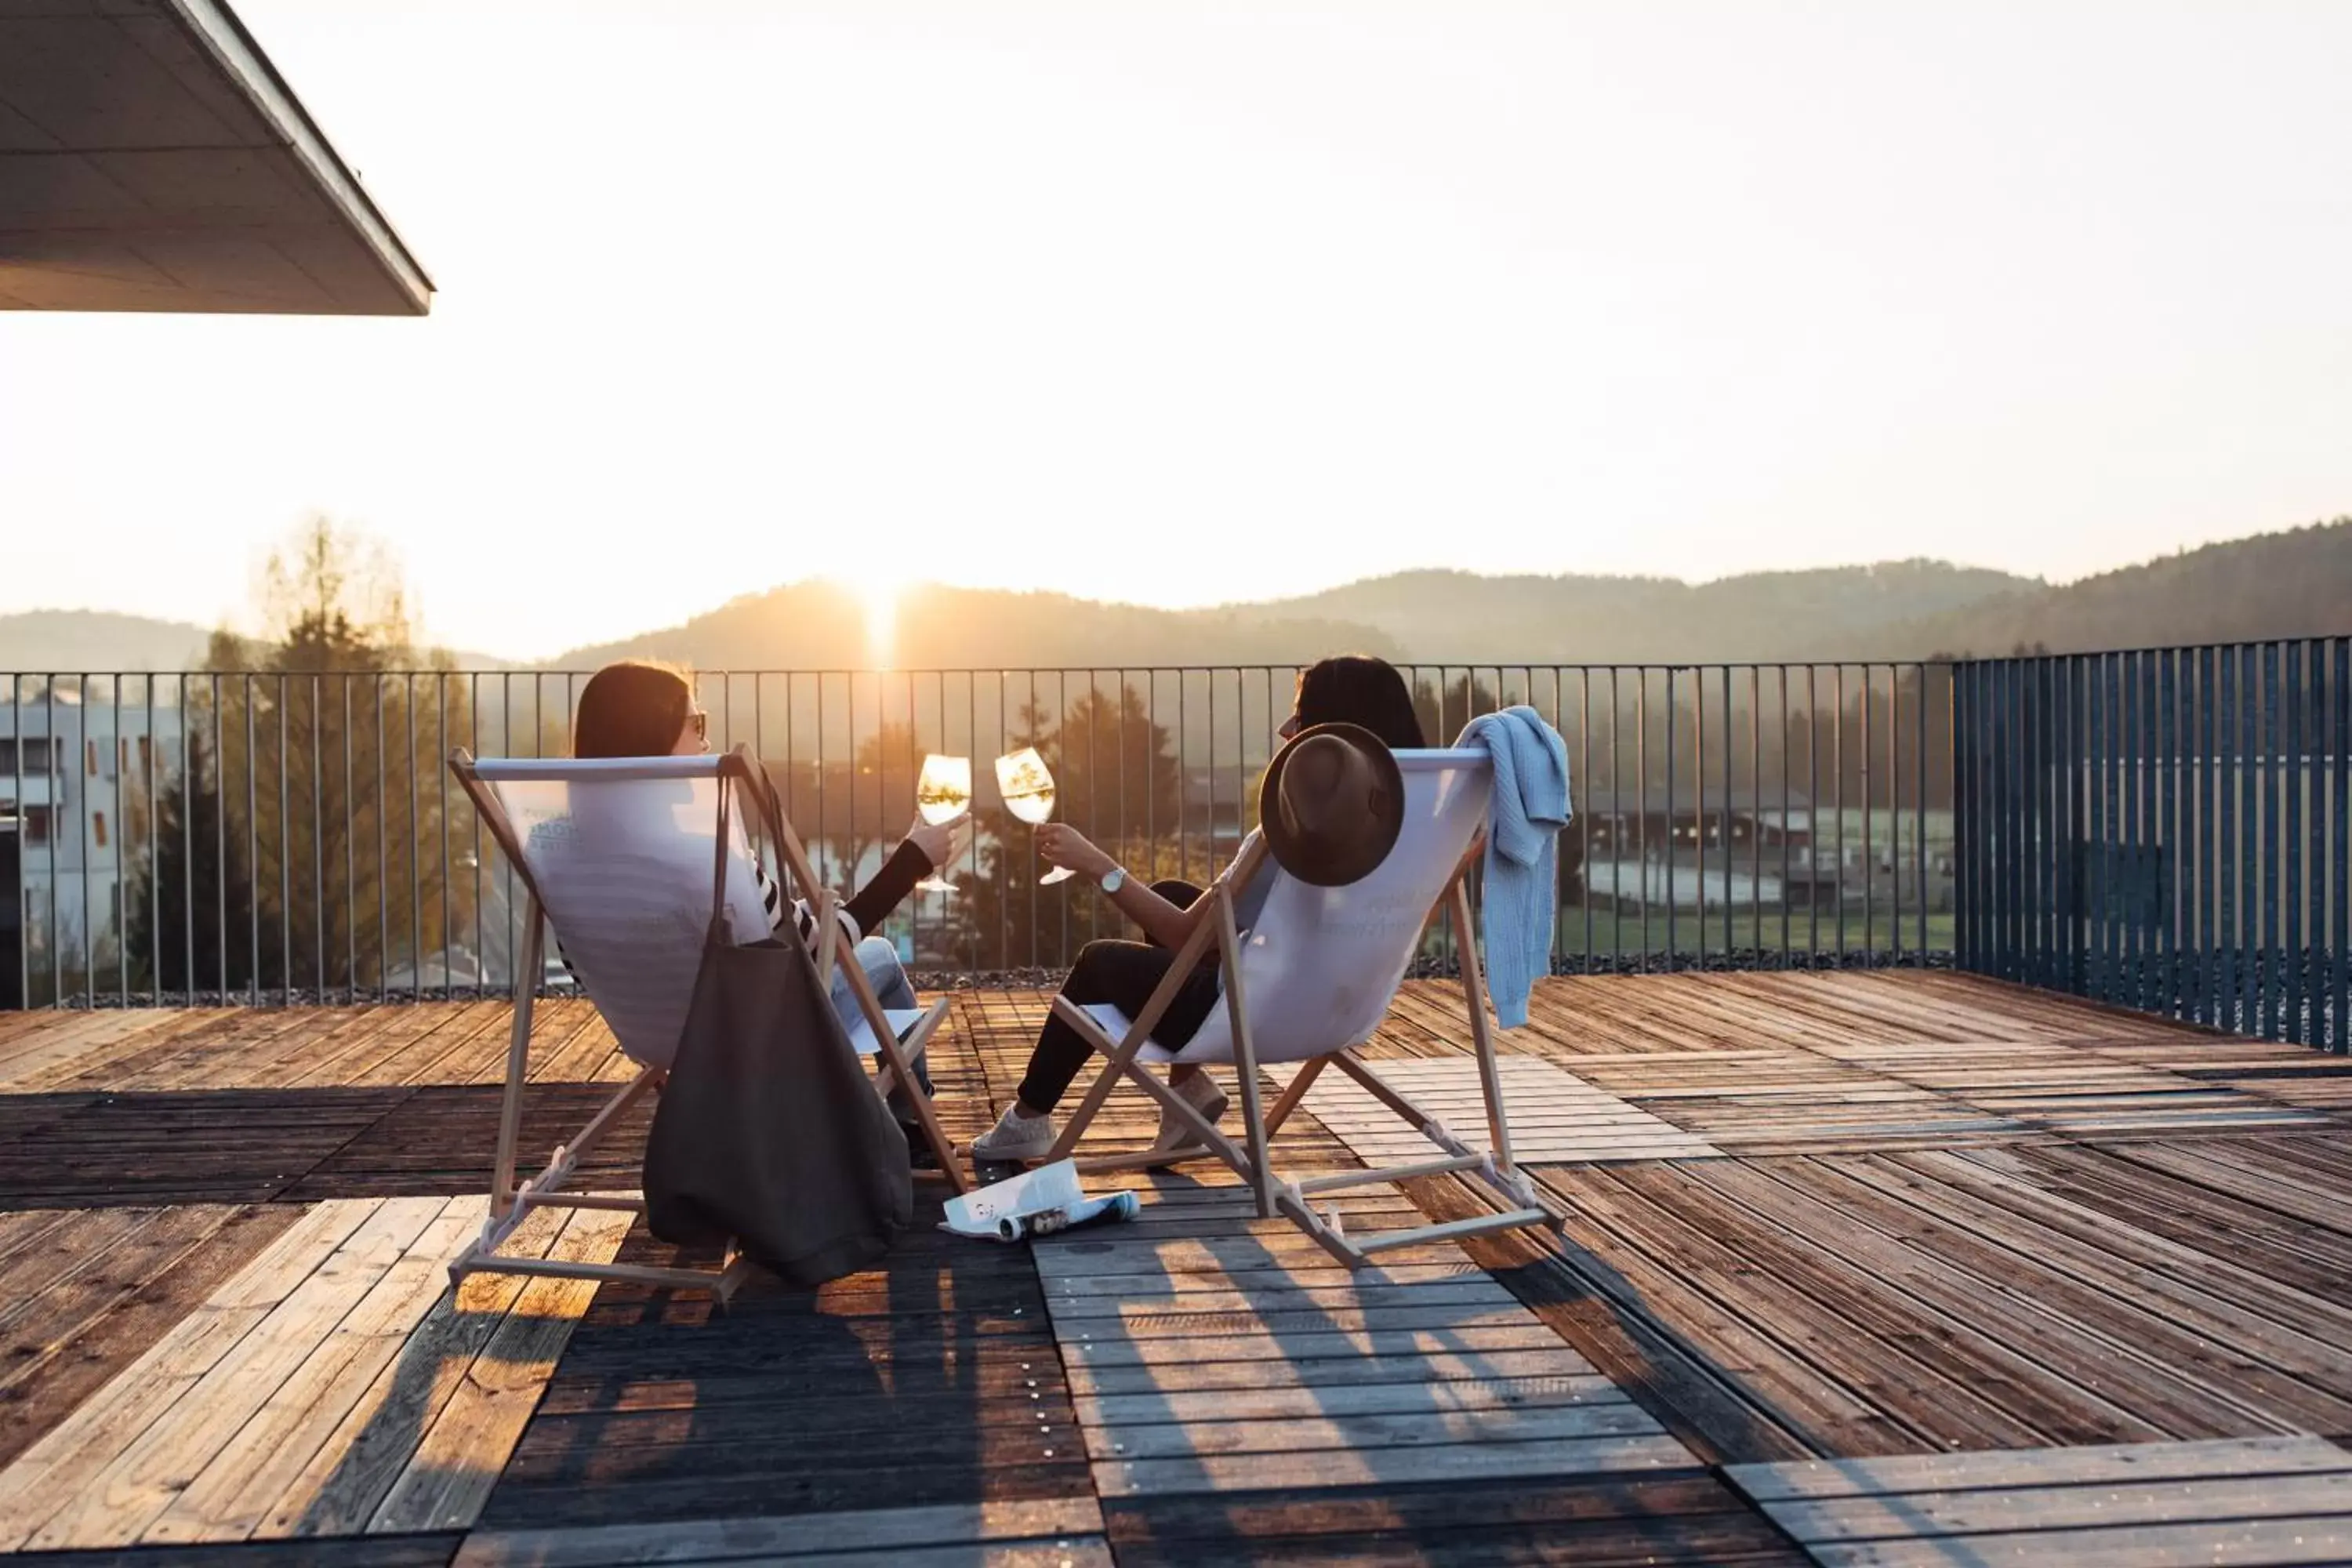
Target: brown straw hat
1331	805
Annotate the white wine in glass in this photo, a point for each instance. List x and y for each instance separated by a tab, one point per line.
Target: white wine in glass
1028	785
942	794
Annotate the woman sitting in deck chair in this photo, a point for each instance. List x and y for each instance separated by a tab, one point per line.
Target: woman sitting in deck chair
1365	692
638	708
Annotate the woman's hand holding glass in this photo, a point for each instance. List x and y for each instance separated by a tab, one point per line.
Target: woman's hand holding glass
1063	847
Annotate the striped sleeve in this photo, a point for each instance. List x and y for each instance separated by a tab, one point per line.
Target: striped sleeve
804	921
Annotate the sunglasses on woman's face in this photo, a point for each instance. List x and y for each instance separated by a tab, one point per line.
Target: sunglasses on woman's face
701	723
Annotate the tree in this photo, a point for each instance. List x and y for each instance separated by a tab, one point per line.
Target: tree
1117	781
196	926
322	743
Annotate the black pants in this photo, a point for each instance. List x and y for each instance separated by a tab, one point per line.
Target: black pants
1123	974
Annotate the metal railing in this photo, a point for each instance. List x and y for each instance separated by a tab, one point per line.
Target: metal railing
2165	829
295	834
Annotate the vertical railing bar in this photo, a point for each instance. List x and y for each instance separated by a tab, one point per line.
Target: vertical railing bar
121	844
1584	782
382	845
1698	804
1030	838
2130	838
1724	819
1967	950
2001	727
2042	929
318	839
2251	814
1787	820
2200	701
252	842
2117	945
2295	978
1895	803
350	859
2167	839
1813	815
513	935
2267	955
25	833
1837	765
1869	797
1642	799
187	728
2340	945
415	849
1919	724
1756	813
285	854
2225	946
441	824
1674	911
2000	807
823	867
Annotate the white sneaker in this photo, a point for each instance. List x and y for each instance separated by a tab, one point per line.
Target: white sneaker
1015	1137
1201	1093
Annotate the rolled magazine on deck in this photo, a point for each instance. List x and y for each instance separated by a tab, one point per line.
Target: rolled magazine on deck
1035	1203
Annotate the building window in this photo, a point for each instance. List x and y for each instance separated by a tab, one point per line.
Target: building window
90	748
97	827
36	823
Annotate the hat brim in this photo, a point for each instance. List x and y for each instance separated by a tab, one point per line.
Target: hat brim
1324	863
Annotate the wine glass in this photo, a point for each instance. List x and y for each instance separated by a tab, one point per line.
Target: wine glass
1028	785
942	794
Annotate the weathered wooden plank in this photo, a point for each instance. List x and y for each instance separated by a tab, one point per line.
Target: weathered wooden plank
1389	1466
347	1481
1414	1429
1338	1400
1184	1375
786	1537
2013	1509
116	1504
49	1475
251	1475
2271	1542
459	1458
2120	1464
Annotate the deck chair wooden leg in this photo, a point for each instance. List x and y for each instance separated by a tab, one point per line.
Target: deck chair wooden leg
952	1169
1254	1128
1288	1099
526	992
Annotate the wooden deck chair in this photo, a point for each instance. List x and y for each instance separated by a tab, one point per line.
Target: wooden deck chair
1312	981
615	855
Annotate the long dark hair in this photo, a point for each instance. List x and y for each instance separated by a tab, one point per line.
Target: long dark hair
1355	688
635	707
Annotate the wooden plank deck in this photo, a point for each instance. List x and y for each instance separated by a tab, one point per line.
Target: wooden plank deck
1865	1268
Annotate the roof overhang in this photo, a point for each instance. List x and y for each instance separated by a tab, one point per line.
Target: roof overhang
152	159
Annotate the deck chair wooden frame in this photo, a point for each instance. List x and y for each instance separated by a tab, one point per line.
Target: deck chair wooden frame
511	1201
1522	1201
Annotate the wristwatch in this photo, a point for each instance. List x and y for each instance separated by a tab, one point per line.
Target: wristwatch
1113	879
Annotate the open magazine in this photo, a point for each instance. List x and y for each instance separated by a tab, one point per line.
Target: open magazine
1035	1203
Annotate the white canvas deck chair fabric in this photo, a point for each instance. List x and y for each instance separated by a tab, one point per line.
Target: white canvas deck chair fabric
616	857
1312	980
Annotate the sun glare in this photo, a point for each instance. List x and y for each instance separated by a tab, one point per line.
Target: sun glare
879	597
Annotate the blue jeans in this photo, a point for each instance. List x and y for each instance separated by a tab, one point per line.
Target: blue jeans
879	959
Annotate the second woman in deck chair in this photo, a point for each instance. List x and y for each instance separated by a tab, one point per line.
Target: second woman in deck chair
1366	692
638	708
